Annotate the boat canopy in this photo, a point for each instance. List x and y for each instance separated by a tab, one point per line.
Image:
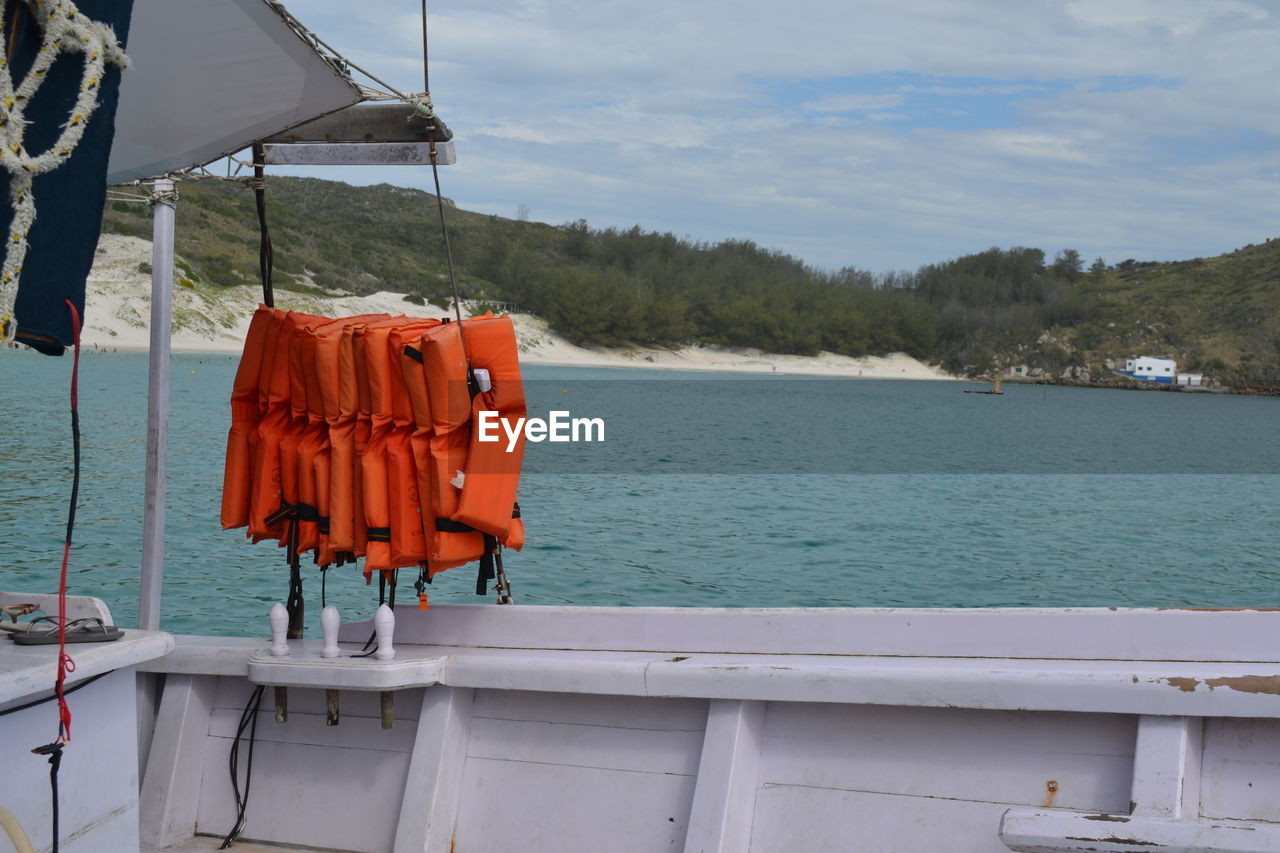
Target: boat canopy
210	77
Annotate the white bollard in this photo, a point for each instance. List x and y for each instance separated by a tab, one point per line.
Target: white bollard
384	625
279	619
329	628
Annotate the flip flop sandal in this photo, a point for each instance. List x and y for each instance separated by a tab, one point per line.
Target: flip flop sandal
87	630
9	614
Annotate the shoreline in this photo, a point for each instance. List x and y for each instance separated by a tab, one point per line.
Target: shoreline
894	366
214	321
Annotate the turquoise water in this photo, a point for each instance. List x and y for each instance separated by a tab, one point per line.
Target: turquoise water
708	491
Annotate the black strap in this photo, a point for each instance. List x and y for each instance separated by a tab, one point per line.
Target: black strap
307	512
285	512
448	525
294	604
412	353
378	534
486	572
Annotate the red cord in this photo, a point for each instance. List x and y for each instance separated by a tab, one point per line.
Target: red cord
65	664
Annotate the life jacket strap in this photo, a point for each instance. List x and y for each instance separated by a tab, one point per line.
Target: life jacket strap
448	525
307	512
379	534
486	572
286	511
294	512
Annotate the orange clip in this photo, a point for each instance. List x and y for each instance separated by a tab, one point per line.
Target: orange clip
422	601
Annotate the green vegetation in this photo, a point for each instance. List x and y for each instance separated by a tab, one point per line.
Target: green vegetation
974	315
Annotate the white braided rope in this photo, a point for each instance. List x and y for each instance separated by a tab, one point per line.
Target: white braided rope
64	30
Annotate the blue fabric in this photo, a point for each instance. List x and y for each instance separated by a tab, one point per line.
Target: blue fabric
70	198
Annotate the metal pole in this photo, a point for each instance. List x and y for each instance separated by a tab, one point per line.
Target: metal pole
157	404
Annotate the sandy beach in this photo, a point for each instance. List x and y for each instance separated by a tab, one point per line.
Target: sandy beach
215	319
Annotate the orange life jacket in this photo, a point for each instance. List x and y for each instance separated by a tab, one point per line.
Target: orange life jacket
246	412
335	462
386	464
273	387
472	483
493	467
357	436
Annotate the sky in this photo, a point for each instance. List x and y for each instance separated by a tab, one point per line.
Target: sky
877	134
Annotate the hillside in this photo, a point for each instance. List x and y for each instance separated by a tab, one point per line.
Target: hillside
327	234
1219	315
974	315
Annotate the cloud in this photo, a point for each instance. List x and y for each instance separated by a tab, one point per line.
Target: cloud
852	103
883	134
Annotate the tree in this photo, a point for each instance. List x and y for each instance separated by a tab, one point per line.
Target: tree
1068	264
1099	267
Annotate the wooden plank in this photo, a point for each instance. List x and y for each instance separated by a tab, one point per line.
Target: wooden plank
1026	633
429	805
1034	831
171	785
382	122
1166	767
232	693
352	732
327	797
511	806
728	772
1162	688
628	712
798	818
597	745
360	154
1031	758
1241	772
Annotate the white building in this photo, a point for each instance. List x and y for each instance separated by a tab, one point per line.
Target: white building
1152	368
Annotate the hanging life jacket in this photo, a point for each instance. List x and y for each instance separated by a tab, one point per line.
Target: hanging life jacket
472	484
246	411
359	437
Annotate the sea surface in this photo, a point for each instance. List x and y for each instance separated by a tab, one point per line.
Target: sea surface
708	490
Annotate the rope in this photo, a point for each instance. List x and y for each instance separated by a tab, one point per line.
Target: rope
169	197
444	233
66	665
63	30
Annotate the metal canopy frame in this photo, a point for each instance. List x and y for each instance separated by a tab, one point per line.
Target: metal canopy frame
380	134
335	132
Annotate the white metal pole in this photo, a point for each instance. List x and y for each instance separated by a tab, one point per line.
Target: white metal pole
157	404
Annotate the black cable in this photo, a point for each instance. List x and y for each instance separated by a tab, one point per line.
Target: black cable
54	751
266	255
53	696
248	719
426	74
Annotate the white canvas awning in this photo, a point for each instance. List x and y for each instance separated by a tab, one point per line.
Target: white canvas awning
210	77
